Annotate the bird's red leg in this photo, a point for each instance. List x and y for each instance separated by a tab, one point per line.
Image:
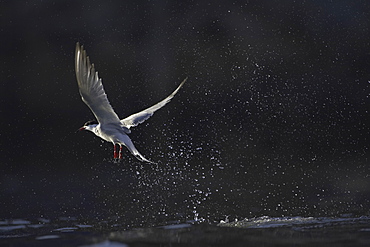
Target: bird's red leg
120	151
115	155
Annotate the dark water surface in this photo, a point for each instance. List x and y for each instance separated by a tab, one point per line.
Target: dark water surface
131	204
262	231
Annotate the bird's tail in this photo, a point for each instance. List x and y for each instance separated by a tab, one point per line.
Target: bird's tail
130	146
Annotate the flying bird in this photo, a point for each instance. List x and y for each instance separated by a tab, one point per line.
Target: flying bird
108	125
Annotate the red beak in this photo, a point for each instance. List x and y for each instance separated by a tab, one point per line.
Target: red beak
82	128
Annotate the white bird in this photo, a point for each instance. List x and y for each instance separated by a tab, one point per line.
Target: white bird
108	126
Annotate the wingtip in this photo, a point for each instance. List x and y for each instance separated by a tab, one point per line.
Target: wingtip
182	83
186	78
78	46
78	52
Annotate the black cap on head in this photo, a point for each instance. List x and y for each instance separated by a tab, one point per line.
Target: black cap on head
91	122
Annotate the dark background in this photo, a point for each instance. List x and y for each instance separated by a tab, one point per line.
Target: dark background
273	120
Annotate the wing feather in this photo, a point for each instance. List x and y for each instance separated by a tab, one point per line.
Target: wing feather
91	88
138	118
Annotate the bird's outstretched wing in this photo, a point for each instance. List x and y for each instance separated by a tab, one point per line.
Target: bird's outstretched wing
140	117
91	88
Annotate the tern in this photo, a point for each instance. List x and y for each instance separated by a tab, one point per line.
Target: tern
108	126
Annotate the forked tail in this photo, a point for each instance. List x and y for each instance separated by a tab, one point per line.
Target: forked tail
130	146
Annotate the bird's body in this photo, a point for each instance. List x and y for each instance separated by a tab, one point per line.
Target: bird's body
108	126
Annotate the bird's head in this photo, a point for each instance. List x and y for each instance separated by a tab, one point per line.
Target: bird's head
89	125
